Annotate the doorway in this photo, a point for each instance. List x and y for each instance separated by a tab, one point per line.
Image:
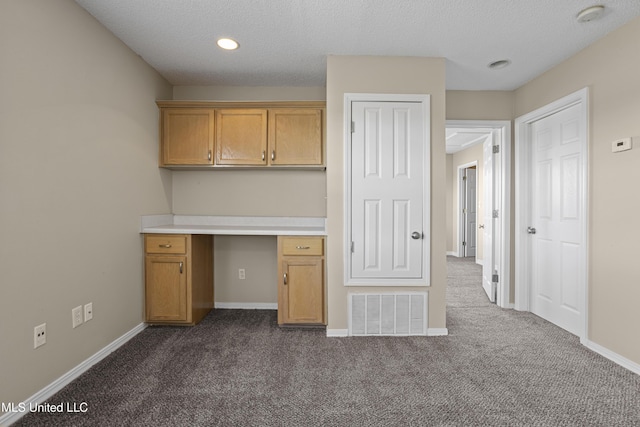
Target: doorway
468	210
493	220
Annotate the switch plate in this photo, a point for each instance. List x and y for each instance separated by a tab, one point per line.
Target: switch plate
622	144
39	335
88	311
241	274
76	316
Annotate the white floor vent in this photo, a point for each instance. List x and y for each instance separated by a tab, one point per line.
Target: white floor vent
388	314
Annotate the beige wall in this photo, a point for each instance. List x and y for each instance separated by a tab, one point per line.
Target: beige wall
78	166
466	157
402	75
479	105
609	68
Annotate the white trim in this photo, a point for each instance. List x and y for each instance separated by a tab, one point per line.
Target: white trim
57	385
523	201
479	261
452	253
437	332
247	305
337	333
503	177
614	357
425	101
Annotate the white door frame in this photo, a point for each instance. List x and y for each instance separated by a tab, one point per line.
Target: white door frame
523	198
501	130
462	201
425	101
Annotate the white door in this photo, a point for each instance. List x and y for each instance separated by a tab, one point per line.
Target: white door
470	212
488	253
387	188
557	219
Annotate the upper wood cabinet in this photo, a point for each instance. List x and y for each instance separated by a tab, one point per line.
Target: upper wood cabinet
187	136
242	134
295	136
241	137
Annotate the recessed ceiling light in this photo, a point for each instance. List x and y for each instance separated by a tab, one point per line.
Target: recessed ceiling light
228	44
496	65
590	13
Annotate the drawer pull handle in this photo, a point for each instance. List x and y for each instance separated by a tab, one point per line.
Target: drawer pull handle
263	155
273	155
168	245
285	278
303	247
209	156
181	267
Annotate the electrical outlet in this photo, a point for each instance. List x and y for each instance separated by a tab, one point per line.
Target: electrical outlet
241	274
76	316
88	311
39	335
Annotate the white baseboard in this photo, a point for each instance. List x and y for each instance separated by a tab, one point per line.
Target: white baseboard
247	305
437	332
479	261
64	380
452	253
614	357
337	333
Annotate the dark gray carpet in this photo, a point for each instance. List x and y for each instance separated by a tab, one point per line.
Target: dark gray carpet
237	368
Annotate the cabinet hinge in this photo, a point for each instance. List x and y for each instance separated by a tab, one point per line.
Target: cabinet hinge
353	247
495	278
496	149
464	178
495	213
464	243
353	127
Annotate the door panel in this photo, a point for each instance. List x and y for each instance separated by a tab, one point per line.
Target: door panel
488	252
387	187
557	246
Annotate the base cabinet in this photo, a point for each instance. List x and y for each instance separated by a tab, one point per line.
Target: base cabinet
301	290
178	278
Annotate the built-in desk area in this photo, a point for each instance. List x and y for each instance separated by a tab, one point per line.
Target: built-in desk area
179	265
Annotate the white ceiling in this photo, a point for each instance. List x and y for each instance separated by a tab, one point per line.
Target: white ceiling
459	139
286	42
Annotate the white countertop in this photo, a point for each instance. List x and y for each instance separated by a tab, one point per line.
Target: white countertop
233	225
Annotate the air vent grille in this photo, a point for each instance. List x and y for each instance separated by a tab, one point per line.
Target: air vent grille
388	314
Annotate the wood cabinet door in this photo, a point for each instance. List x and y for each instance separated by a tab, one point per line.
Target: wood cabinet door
302	290
295	136
187	136
166	288
241	137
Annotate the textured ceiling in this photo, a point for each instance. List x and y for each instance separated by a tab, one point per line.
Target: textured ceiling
286	42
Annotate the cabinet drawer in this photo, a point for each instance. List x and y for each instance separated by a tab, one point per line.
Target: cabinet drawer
165	244
303	246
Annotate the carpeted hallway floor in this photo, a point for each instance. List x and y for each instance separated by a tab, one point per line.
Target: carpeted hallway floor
238	368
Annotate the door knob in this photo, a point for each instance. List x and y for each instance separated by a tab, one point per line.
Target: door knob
531	230
416	235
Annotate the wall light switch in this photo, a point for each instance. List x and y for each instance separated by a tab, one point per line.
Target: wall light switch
622	144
